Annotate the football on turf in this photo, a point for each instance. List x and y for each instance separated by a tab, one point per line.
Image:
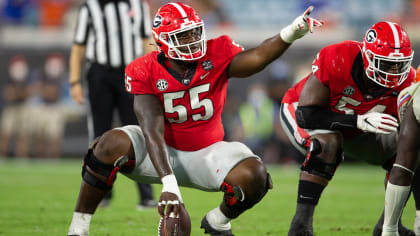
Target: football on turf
175	226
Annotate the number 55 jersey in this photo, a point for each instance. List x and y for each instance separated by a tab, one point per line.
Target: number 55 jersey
192	103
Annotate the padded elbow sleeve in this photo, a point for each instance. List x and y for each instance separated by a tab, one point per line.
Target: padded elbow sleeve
318	117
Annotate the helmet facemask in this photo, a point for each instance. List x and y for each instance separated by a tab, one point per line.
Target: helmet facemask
187	43
388	71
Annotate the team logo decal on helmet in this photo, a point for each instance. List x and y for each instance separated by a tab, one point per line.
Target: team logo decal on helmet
162	85
371	36
157	21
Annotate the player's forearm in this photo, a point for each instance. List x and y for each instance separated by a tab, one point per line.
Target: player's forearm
269	50
150	117
318	117
158	153
76	62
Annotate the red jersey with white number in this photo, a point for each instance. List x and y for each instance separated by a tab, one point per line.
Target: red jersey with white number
192	103
340	68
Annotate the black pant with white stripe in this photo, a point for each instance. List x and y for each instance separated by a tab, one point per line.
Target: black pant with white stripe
106	90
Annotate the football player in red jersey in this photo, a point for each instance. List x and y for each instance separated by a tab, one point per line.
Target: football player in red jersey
179	96
347	107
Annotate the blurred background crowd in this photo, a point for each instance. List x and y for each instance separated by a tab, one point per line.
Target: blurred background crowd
39	119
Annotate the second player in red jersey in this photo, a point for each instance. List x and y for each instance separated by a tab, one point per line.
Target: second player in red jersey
340	68
347	107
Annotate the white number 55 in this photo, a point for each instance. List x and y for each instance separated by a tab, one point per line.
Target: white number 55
195	103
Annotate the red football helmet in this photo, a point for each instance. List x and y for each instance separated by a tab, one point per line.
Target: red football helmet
179	32
387	54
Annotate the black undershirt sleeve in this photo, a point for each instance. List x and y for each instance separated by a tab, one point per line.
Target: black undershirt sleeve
318	117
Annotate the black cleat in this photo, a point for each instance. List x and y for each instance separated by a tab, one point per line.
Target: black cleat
301	224
301	233
209	230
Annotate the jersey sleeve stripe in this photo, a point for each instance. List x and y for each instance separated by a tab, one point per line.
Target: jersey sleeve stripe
401	103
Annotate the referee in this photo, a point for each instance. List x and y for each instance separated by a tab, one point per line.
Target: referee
109	34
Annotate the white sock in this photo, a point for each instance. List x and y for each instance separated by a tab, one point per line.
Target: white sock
80	224
218	220
417	223
395	198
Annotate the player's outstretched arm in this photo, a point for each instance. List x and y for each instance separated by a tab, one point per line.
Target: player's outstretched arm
151	119
254	60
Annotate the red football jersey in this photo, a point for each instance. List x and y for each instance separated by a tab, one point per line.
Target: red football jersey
193	103
340	68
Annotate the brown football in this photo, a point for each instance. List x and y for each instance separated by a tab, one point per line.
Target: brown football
175	226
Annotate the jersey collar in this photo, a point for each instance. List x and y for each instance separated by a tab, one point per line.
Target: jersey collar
184	80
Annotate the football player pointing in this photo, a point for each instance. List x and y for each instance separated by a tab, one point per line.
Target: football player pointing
179	96
347	107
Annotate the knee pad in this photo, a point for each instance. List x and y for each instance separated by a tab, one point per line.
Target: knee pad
235	197
109	171
317	166
233	194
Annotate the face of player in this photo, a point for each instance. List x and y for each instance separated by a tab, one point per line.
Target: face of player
393	67
191	40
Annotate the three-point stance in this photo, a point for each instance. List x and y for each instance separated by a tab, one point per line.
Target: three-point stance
179	96
346	107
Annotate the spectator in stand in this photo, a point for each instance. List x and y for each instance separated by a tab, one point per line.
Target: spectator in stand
49	117
14	116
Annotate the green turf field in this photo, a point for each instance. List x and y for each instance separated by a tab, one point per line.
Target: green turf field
38	198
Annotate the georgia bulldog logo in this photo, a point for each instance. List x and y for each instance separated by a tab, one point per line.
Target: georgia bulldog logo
371	36
157	21
162	84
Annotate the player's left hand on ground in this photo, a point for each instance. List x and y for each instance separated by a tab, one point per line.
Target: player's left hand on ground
300	26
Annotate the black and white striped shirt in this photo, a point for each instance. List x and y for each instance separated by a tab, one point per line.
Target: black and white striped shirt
112	30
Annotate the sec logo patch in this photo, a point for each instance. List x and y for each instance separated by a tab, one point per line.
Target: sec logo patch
162	85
